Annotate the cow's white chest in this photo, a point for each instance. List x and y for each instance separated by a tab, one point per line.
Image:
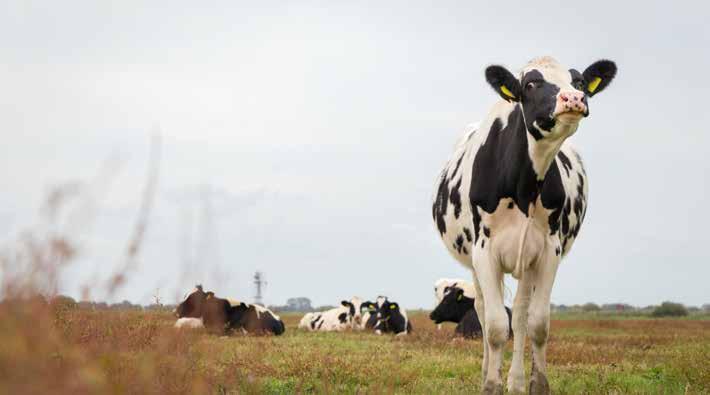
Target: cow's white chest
507	227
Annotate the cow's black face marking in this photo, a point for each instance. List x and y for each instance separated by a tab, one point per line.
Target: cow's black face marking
539	98
452	307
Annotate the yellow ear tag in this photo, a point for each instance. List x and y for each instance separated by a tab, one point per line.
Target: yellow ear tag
393	307
507	91
594	84
459	297
208	296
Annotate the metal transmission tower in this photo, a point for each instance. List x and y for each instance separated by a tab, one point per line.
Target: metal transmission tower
260	284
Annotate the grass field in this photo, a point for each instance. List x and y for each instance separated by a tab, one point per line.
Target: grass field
45	350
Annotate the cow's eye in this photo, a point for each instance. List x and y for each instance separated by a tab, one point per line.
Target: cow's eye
531	85
578	85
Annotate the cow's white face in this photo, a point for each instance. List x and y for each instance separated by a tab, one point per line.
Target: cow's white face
553	98
355	306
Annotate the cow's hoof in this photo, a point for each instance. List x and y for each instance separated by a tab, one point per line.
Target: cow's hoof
491	388
539	384
516	385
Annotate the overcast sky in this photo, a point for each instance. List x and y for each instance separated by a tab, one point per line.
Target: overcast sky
303	139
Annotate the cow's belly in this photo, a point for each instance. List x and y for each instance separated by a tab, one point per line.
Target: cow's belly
507	226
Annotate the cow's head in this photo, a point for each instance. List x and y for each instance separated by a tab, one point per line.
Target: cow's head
355	306
553	98
452	307
386	311
191	306
368	307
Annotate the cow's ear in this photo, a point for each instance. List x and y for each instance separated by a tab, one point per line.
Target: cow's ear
598	76
503	82
345	303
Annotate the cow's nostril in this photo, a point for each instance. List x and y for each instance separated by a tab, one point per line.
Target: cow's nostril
564	98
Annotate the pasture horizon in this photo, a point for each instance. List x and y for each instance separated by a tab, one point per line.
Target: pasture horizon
305	143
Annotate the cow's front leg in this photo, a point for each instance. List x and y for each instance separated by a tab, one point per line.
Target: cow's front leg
480	312
516	375
539	317
490	278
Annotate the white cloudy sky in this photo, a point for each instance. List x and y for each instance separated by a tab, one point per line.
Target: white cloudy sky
319	128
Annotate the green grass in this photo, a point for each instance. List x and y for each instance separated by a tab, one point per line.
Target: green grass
117	352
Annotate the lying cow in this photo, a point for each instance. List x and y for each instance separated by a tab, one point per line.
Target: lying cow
369	312
459	308
336	319
391	319
443	283
223	316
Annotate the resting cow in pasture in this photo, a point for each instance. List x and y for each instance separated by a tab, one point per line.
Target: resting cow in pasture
370	309
443	283
459	308
223	316
392	319
512	199
336	319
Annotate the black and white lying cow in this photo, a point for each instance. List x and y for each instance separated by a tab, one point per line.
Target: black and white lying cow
223	316
337	319
512	200
442	284
369	312
459	308
392	319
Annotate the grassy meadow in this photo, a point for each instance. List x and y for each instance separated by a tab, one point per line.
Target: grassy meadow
54	350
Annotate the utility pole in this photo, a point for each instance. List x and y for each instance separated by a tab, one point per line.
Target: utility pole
259	284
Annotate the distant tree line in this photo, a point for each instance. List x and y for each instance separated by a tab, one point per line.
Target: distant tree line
303	305
665	309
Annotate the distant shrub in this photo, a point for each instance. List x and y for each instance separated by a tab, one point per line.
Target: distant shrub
670	309
61	302
588	307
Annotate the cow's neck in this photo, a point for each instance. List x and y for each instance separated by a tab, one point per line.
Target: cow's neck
543	151
534	157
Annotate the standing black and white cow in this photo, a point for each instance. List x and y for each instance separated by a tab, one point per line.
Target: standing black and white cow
457	307
392	319
512	200
223	316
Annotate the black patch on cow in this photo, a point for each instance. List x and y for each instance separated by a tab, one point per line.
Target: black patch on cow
483	243
539	98
465	251
467	232
476	217
566	163
320	324
511	205
486	231
557	251
459	243
343	318
440	204
503	169
455	198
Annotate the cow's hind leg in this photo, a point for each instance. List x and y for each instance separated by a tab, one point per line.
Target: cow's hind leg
516	375
539	318
490	278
